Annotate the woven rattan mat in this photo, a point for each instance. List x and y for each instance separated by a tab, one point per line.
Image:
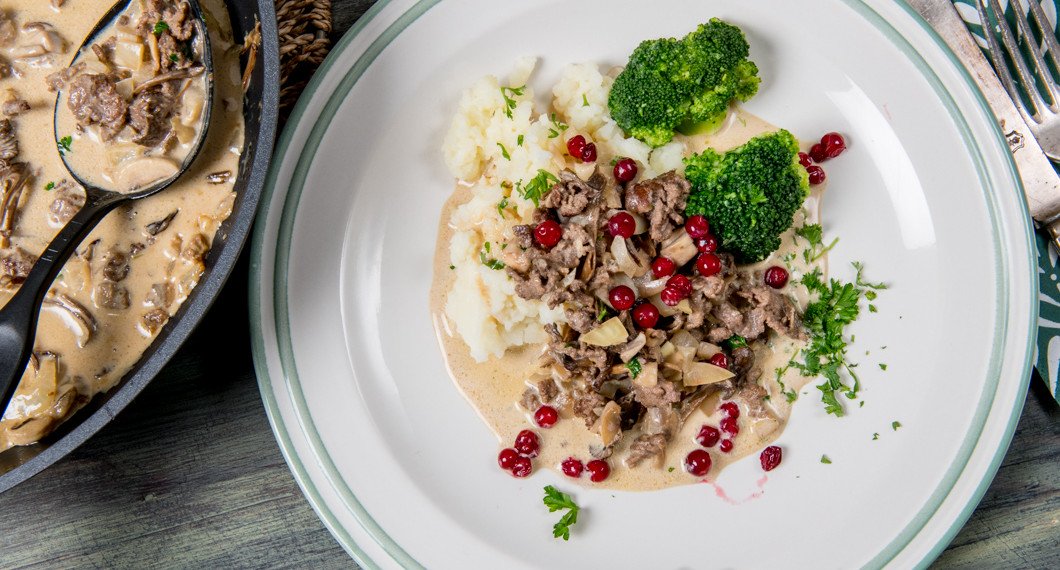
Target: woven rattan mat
304	26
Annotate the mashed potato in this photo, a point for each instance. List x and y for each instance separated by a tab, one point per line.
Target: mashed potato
497	155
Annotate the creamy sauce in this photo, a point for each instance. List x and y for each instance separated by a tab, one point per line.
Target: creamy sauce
120	164
83	347
494	387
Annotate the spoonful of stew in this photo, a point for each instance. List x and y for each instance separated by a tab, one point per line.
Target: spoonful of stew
131	115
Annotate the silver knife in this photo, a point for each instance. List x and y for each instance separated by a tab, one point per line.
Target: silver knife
1041	185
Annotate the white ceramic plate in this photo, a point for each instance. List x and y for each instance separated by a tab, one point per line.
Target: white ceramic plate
402	470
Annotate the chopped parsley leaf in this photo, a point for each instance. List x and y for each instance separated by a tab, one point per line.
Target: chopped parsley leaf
49	186
790	395
895	425
160	27
585	101
555	501
872	308
826	460
519	140
451	266
64	144
814	235
502	205
861	404
602	312
875	436
670	470
538	186
174	57
883	366
509	93
634	367
557	126
735	341
836	305
489	262
504	152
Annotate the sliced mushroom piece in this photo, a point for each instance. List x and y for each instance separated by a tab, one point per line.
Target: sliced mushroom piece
116	265
632	347
647	285
627	262
250	47
158	226
14	105
76	317
15	265
175	75
160	296
691	403
679	247
110	295
609	426
151	322
143	172
8	141
40	39
12	181
219	177
196	248
69	199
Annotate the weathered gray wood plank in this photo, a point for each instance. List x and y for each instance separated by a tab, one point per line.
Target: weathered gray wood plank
189	475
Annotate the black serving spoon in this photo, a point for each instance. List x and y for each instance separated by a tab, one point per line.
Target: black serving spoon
18	318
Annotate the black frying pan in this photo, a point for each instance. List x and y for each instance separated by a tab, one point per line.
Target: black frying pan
260	104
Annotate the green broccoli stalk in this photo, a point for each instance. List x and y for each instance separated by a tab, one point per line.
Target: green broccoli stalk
670	83
749	194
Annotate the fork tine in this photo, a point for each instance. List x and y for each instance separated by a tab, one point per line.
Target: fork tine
1023	25
1029	115
1052	45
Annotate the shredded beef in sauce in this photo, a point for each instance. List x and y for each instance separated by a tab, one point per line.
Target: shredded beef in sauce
579	271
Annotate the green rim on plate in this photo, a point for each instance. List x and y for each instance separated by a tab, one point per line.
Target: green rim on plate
286	354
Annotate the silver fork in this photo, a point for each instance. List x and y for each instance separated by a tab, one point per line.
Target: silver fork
1041	112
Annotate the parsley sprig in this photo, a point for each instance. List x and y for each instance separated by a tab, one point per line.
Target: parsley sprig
826	318
509	94
814	235
538	186
556	501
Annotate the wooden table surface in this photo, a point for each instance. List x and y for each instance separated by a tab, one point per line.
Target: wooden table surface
189	475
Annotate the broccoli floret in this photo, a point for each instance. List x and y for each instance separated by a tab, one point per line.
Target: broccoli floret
670	82
749	194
